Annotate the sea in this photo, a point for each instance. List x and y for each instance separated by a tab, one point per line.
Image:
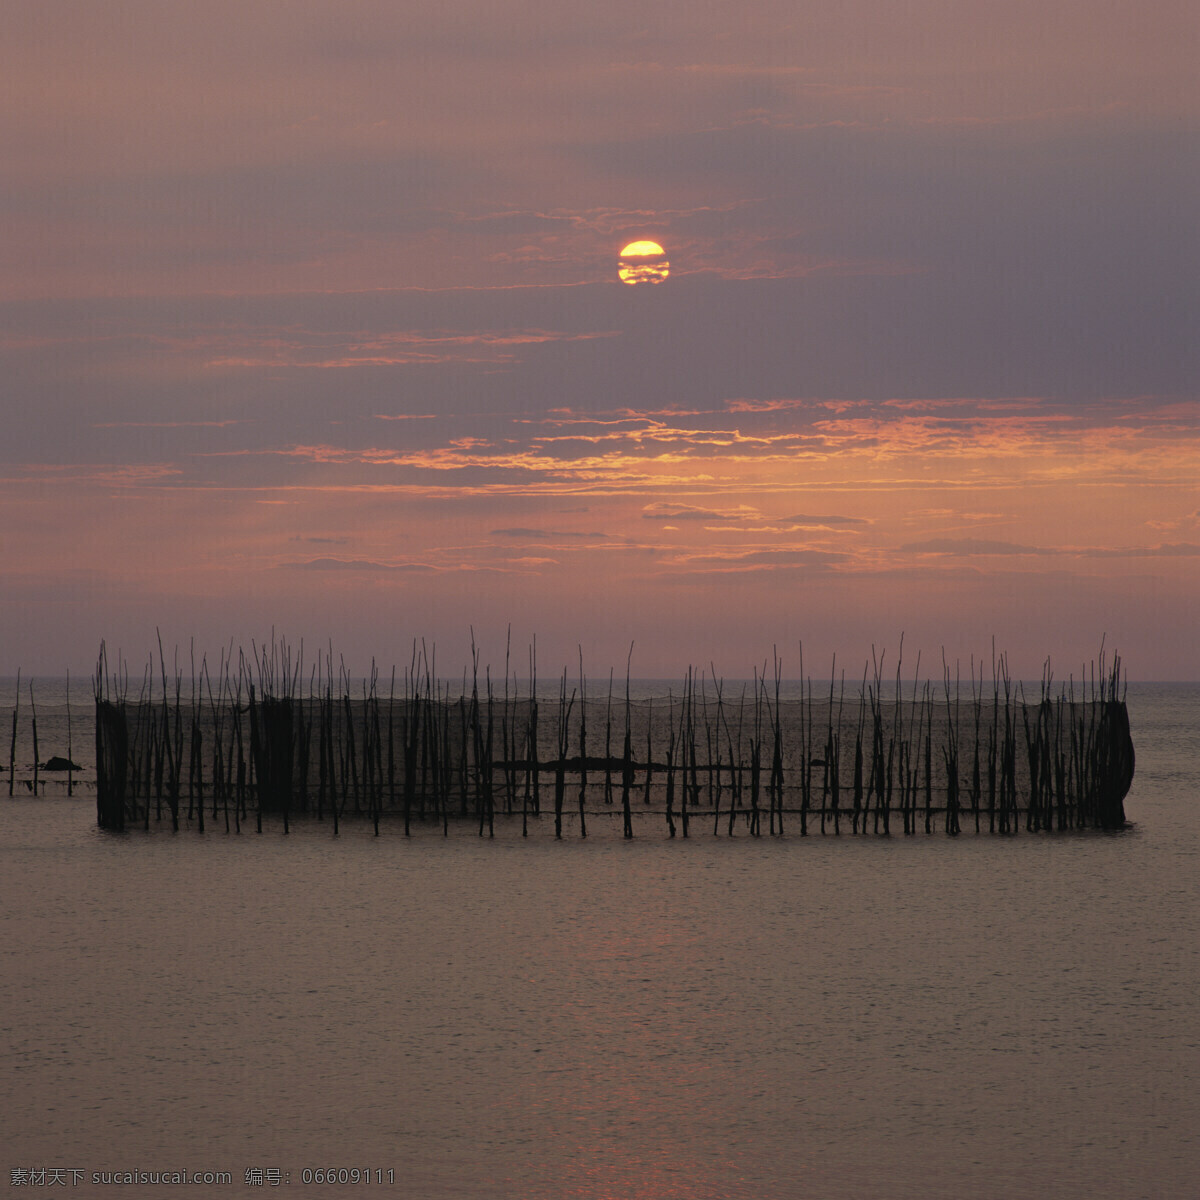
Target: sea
463	1018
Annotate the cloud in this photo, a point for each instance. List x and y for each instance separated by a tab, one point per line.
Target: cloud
525	224
756	564
829	521
664	511
966	547
353	564
1165	550
167	424
1189	521
546	534
328	349
769	558
970	546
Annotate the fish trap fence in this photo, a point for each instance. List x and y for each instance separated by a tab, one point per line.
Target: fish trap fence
709	757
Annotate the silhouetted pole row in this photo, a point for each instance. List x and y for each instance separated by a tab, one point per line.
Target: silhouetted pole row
261	738
12	747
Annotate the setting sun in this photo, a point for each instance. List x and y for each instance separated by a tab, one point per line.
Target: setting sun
643	262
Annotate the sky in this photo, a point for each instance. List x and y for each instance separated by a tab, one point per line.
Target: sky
310	322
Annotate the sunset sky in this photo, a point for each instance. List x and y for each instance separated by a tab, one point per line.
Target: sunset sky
310	318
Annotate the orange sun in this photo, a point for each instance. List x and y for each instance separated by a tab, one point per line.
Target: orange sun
643	262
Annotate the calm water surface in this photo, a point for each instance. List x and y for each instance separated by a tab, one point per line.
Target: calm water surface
712	1020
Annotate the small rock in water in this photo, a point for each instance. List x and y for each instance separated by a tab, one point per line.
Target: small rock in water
58	763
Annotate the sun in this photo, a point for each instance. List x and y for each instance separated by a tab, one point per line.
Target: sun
643	262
